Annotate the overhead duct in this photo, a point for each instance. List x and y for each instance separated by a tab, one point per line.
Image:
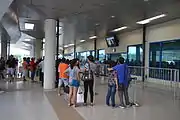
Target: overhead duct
10	22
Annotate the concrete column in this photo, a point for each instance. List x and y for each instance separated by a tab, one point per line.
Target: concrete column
38	47
50	45
3	46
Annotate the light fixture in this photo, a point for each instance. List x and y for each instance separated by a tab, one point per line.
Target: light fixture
27	40
112	16
119	29
142	22
65	46
93	37
82	40
26	45
71	44
29	26
97	24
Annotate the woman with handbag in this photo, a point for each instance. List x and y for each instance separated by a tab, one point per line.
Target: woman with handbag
74	81
88	78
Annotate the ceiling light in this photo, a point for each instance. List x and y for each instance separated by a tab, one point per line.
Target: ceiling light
119	29
29	26
82	40
93	37
27	39
150	19
66	46
97	24
112	16
71	44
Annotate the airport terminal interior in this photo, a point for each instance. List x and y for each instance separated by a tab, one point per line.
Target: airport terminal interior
38	36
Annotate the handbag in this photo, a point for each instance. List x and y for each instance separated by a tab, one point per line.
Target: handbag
87	75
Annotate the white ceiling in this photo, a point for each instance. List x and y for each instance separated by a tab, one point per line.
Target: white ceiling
81	16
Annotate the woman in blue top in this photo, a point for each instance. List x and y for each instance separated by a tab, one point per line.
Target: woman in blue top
112	86
74	81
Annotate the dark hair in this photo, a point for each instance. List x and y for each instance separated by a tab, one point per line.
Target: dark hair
112	64
24	58
90	58
73	63
67	61
63	60
121	60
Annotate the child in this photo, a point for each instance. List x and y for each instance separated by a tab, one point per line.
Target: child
112	86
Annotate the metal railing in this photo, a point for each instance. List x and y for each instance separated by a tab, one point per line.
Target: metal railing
164	78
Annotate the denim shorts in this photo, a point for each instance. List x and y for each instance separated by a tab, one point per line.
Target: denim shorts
75	83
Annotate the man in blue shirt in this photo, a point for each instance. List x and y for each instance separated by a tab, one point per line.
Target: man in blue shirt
123	77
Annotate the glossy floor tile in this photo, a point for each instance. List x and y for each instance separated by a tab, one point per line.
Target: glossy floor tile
25	102
156	104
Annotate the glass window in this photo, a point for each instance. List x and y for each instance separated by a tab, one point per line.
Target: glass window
155	51
135	55
101	55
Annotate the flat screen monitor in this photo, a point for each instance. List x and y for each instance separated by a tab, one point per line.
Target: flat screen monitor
112	41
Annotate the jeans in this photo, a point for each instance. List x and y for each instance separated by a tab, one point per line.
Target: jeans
88	84
33	75
111	94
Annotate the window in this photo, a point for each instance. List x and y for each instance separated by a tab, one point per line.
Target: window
135	55
165	54
101	55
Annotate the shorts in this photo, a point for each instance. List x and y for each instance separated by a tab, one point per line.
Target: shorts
10	71
75	83
63	80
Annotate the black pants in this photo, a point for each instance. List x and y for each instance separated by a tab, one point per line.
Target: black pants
123	93
88	85
41	78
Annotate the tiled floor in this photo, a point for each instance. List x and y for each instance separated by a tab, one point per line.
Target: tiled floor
29	102
25	102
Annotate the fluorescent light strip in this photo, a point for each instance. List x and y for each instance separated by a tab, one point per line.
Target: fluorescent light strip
66	46
93	37
27	39
150	19
29	26
82	40
119	29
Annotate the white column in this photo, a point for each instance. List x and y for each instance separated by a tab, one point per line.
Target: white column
50	45
38	47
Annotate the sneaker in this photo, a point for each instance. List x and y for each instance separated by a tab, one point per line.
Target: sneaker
91	104
129	105
85	104
122	106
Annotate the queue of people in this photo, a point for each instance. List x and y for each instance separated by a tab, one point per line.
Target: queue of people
71	75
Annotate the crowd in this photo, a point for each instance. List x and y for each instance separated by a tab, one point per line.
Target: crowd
71	75
11	69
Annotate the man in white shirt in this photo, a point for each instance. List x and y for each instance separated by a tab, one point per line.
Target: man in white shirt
41	77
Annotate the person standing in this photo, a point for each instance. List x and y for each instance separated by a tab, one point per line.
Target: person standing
32	69
123	77
63	77
25	68
112	86
11	65
90	66
41	77
2	67
74	80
